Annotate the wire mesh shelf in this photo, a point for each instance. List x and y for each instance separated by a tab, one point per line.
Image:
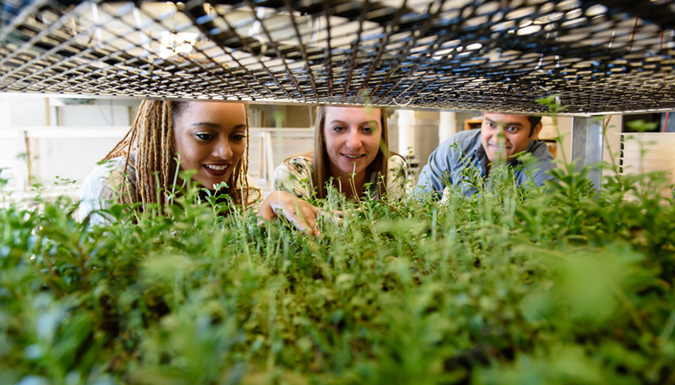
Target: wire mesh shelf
597	56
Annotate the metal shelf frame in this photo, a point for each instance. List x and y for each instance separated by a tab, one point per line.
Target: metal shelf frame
597	56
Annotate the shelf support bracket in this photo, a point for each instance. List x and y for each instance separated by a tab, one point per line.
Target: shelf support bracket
587	146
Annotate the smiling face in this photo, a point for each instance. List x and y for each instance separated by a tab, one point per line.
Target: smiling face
211	139
517	135
352	137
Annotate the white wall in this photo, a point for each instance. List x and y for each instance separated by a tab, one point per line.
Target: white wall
100	113
8	145
27	110
612	146
16	111
564	129
4	111
56	151
426	125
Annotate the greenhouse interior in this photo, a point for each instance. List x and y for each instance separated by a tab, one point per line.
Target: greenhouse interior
337	192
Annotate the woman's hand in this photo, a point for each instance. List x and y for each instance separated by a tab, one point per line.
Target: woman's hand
302	214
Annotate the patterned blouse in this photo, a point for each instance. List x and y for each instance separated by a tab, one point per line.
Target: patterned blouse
294	175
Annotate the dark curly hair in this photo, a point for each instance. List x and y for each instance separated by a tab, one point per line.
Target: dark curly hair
534	120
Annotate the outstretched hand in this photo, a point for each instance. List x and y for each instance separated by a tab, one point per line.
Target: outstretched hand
302	214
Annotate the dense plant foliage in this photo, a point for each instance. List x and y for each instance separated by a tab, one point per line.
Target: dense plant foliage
557	284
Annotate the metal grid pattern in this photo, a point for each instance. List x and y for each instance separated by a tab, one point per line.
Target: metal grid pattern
600	56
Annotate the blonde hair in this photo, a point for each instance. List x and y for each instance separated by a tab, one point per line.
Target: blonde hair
152	143
321	171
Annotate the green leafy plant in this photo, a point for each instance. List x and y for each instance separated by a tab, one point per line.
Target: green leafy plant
556	284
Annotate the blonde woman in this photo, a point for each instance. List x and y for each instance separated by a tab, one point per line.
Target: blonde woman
350	153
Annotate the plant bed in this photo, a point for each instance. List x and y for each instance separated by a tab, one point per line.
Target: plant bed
556	284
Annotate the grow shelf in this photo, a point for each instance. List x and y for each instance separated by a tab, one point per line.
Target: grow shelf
598	56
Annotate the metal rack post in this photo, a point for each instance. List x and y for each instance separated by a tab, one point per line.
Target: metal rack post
587	146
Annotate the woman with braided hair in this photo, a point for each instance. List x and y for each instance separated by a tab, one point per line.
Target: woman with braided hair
210	138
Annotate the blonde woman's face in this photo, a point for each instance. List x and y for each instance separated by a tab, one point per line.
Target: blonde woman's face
352	137
210	139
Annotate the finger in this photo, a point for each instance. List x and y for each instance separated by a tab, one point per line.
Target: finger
266	212
267	209
309	217
308	212
298	221
335	215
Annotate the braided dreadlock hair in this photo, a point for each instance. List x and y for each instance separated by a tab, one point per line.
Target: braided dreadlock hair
151	140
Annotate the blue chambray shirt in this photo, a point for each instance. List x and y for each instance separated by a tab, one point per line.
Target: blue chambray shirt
445	166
